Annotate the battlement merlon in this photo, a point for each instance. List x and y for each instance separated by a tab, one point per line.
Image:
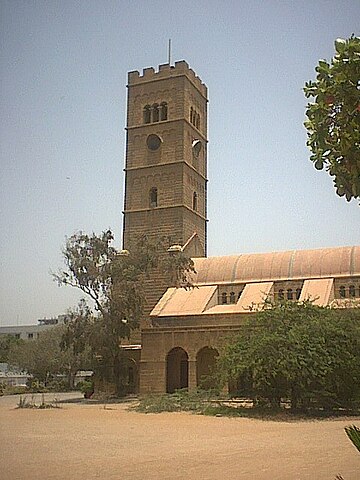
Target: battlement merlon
166	71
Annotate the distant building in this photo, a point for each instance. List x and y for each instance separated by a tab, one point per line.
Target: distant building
30	332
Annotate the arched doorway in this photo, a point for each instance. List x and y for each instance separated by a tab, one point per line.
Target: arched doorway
177	370
205	365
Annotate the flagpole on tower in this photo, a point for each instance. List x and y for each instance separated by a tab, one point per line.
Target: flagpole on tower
169	51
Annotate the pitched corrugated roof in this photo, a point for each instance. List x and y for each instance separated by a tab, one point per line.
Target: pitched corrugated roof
294	264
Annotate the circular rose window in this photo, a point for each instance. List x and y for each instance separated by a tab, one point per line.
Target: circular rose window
153	142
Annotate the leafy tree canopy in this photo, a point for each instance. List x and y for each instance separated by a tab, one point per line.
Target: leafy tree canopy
299	352
6	343
44	359
333	123
114	281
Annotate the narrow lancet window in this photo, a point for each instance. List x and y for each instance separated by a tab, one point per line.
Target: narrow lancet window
195	199
163	111
147	114
155	112
153	197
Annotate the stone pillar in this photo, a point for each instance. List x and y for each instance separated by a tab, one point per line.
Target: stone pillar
152	377
192	375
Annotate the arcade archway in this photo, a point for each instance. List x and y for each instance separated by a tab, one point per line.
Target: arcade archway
177	370
205	365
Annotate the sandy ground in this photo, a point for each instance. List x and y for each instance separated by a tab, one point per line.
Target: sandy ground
89	442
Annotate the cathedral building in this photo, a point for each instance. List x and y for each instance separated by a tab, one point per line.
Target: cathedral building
166	196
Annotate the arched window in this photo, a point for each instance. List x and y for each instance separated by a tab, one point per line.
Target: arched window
147	114
197	124
290	295
155	112
195	201
163	111
352	291
153	197
342	291
232	297
191	114
298	293
224	298
281	294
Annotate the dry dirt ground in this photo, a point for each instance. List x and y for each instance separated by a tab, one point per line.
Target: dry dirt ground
89	442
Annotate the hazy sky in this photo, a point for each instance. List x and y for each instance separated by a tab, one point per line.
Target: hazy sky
63	99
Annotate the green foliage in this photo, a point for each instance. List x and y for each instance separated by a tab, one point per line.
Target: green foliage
333	123
86	387
44	359
353	432
89	261
114	281
40	357
25	403
6	343
208	403
180	267
197	401
11	389
300	352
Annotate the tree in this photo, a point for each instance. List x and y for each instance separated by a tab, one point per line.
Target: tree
44	359
114	282
333	123
299	352
6	343
89	262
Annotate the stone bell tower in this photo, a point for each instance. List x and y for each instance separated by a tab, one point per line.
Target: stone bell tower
166	161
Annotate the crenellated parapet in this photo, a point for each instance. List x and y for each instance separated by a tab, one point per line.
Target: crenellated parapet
165	71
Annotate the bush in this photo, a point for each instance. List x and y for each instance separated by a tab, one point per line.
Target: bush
58	385
300	353
12	389
24	403
198	401
86	387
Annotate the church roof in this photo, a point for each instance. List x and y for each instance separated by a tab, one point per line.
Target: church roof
293	264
